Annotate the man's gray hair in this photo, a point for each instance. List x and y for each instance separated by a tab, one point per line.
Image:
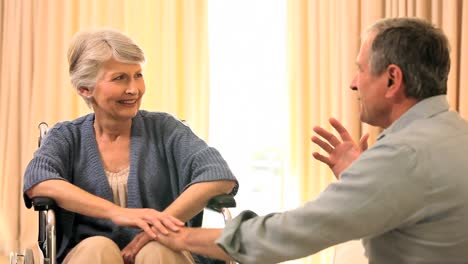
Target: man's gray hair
421	51
89	49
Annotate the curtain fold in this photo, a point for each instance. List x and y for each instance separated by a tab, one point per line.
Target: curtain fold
16	72
323	42
316	68
34	83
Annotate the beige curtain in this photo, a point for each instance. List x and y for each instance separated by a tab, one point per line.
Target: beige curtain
323	42
34	84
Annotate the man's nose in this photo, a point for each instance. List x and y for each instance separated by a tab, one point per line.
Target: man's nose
353	85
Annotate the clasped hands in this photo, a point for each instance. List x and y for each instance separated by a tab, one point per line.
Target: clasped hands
155	224
341	152
149	220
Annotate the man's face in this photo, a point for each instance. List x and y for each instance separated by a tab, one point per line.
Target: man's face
374	107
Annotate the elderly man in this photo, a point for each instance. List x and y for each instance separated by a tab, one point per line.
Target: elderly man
406	196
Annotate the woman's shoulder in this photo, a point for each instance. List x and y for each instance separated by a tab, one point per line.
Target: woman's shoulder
161	124
154	115
73	127
159	118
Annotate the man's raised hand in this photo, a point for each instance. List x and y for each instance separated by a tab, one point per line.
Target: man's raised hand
341	152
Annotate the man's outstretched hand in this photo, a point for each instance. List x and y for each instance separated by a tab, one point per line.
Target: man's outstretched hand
341	153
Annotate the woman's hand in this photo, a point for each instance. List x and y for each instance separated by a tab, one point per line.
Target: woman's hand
149	220
74	199
341	153
131	250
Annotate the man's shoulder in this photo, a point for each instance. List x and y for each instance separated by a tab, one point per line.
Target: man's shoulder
430	136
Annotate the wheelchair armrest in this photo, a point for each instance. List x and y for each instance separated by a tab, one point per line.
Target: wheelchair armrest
47	227
43	203
219	202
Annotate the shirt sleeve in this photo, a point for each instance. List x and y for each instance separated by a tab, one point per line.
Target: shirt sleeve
377	193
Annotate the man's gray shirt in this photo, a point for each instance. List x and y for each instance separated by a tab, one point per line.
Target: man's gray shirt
406	197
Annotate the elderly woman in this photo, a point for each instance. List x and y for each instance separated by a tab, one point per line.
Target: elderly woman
120	167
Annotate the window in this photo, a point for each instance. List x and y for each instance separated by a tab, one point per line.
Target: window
249	102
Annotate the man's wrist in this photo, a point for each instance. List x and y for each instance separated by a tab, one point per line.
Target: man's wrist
187	238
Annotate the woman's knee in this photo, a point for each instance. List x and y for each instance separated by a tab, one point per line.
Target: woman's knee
154	252
96	249
100	243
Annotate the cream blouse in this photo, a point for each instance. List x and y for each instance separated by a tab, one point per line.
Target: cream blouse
118	183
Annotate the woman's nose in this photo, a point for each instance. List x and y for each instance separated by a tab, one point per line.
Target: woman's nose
132	89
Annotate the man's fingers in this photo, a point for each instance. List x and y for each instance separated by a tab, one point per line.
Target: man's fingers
327	136
322	158
344	134
325	146
128	258
363	142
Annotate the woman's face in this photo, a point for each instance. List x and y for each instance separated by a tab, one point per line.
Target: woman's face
118	91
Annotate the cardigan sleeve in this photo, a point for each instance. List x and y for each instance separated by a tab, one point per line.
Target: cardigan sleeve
194	159
49	162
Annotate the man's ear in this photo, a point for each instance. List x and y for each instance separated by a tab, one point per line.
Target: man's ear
395	80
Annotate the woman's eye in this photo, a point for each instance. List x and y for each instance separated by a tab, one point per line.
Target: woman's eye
118	78
139	75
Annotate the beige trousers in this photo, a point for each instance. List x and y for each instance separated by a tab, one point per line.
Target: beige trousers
102	250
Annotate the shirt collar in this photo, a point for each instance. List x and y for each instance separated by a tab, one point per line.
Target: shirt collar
423	109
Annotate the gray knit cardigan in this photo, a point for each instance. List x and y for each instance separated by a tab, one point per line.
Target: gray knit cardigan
166	157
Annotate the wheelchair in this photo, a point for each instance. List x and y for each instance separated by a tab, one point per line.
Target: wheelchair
47	222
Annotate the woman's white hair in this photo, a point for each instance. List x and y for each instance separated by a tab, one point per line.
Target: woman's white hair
89	49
